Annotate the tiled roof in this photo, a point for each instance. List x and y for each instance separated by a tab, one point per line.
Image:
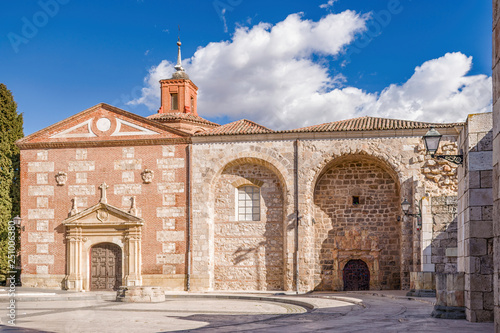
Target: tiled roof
175	116
242	126
370	124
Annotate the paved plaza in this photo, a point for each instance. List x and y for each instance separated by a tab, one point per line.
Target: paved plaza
58	311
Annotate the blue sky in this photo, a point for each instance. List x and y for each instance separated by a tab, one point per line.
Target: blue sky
284	64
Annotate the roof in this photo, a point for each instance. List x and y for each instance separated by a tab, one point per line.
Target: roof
239	127
370	124
176	116
80	119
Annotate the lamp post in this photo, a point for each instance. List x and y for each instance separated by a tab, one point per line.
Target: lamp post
405	206
432	139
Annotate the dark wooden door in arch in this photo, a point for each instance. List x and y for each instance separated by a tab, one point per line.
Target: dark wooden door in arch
356	275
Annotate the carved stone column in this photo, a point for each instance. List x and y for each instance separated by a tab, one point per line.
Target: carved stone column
133	260
74	240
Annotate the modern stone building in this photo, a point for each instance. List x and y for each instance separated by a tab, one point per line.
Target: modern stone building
110	198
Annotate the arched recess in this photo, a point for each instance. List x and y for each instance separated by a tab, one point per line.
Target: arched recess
249	254
356	204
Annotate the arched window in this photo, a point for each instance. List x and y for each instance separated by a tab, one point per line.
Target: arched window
248	203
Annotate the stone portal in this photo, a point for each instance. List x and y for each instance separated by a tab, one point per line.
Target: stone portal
103	249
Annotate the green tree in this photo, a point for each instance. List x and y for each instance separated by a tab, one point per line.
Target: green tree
11	129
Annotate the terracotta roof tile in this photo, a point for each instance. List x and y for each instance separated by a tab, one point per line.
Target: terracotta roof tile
370	124
242	126
175	116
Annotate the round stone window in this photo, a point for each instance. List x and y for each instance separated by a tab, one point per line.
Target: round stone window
103	124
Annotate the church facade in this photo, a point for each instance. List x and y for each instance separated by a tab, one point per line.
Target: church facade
110	198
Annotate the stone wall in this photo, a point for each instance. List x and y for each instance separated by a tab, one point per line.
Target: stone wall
475	207
401	157
356	217
248	254
444	234
496	158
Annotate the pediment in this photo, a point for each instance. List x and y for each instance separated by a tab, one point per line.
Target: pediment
103	214
102	123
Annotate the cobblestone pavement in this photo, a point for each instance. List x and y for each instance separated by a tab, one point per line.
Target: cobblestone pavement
317	312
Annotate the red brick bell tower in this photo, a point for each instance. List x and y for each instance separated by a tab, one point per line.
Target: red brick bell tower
179	93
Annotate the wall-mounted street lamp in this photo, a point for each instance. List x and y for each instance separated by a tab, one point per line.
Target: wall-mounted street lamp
405	206
432	139
17	222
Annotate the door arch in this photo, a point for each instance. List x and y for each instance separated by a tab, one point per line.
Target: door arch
105	267
356	275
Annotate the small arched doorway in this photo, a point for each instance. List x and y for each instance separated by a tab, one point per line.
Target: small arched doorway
105	267
356	275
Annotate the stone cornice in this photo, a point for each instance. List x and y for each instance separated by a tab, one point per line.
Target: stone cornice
178	81
451	131
104	143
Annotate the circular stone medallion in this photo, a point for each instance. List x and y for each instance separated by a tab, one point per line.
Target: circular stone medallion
103	124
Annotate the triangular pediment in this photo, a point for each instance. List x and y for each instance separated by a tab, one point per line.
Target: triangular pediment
103	214
100	124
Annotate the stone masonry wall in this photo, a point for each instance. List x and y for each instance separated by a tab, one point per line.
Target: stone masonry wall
248	254
475	227
496	159
444	234
403	157
340	224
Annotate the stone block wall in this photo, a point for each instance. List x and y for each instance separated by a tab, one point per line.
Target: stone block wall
475	217
496	159
444	234
356	210
248	254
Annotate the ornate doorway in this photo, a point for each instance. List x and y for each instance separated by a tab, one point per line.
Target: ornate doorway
105	267
356	275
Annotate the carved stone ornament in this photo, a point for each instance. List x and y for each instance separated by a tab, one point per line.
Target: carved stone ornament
147	176
74	207
61	178
102	214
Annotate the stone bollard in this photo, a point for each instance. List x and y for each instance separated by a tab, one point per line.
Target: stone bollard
422	284
140	294
449	296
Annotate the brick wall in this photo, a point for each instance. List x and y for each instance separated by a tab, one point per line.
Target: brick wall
45	204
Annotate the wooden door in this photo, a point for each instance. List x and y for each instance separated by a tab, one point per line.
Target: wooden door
106	267
356	275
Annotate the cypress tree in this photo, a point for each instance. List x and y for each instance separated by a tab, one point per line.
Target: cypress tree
11	129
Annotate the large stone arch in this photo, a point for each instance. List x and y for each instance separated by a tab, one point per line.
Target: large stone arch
392	165
355	210
249	255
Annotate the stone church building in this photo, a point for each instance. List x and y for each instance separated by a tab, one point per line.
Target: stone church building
110	198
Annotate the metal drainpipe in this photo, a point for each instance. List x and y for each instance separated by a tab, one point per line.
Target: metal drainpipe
188	219
296	195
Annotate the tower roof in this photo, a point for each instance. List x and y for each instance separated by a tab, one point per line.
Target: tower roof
180	73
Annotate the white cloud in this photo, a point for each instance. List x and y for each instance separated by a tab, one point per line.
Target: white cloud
328	4
266	73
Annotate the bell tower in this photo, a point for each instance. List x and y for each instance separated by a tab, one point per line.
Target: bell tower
178	94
